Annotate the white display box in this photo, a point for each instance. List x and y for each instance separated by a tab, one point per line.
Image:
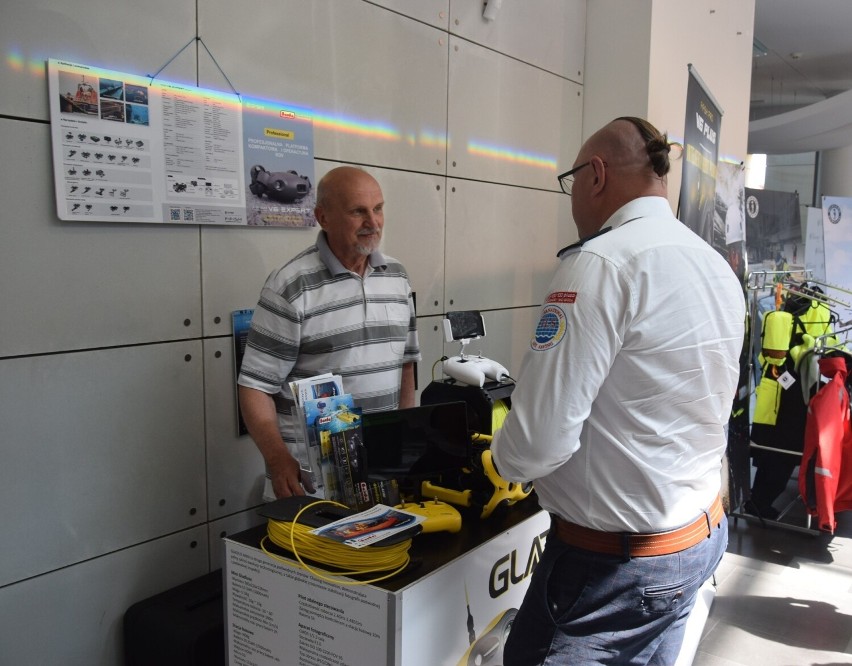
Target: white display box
453	606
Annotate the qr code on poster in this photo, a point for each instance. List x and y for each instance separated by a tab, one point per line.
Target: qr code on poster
174	214
188	215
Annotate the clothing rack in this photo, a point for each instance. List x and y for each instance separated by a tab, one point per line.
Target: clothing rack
830	285
819	341
757	279
814	296
787	283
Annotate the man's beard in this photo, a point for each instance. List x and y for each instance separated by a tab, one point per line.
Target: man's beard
374	240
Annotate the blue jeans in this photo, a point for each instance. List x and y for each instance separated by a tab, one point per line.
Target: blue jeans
587	608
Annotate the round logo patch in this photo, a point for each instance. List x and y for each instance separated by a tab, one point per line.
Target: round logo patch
550	329
752	207
834	213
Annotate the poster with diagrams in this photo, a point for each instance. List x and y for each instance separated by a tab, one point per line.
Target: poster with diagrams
130	149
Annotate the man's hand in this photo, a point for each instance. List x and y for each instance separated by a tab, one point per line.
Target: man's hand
288	478
259	414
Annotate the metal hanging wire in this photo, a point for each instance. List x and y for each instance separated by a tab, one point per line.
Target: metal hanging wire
185	46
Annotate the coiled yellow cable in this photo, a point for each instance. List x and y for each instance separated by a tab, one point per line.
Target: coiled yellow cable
297	539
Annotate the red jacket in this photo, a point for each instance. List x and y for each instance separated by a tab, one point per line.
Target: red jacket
825	474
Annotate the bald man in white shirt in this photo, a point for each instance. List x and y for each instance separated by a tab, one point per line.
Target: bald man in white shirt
619	415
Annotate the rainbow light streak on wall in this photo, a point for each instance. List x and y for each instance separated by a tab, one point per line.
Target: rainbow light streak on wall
18	63
328	121
433	140
509	155
374	130
358	127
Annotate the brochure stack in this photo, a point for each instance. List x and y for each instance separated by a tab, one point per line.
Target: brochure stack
334	440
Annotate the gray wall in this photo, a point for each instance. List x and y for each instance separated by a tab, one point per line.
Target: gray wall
121	469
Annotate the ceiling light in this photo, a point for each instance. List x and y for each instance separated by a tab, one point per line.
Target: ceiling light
758	49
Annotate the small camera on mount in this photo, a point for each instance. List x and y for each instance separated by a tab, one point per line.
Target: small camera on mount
463	326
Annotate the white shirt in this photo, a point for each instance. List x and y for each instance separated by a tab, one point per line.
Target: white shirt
622	399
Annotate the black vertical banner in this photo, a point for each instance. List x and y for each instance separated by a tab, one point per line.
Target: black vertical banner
700	154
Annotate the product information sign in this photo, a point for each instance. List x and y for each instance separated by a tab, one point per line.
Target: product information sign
457	614
130	149
279	613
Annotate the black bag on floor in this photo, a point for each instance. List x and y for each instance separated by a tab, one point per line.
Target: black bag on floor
183	626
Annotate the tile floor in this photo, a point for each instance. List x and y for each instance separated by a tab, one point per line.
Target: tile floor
784	595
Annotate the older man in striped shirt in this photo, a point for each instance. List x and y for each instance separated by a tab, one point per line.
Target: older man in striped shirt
339	306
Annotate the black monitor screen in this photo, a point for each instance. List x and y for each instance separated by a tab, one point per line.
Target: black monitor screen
419	443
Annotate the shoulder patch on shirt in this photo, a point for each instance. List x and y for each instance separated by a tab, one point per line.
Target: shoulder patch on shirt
561	297
550	329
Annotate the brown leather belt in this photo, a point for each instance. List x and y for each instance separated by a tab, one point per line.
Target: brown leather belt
640	545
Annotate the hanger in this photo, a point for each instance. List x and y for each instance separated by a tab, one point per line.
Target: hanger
809	291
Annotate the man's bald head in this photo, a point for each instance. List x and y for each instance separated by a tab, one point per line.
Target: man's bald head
628	158
632	144
337	178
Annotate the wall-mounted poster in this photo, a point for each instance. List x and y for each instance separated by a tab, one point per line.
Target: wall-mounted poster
279	155
129	149
773	228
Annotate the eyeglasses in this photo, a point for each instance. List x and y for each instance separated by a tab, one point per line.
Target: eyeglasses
566	180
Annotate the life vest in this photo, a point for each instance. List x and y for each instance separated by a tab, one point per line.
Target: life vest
776	334
775	337
785	336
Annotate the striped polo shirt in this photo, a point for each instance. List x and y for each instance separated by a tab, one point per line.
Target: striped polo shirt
316	316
